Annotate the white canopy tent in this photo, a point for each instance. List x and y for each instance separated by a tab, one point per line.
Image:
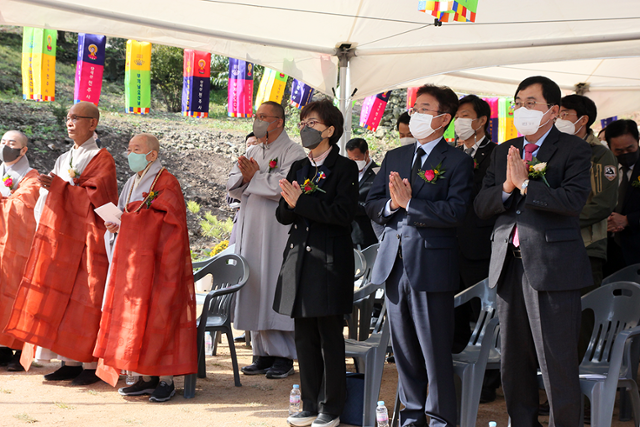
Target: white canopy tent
380	44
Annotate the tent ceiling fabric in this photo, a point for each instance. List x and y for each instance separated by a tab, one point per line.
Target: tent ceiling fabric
395	45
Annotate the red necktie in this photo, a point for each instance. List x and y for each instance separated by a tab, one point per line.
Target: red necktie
528	156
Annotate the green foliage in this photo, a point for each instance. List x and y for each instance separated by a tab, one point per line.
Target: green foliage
219	72
10	63
59	111
115	59
212	227
193	207
26	418
167	75
67	48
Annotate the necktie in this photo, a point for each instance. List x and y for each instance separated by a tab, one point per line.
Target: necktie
622	188
468	151
417	163
528	156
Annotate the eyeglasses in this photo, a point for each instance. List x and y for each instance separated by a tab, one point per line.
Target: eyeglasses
264	117
75	118
529	105
309	123
564	114
421	110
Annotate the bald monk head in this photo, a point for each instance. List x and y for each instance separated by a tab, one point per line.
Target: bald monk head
16	143
82	120
141	145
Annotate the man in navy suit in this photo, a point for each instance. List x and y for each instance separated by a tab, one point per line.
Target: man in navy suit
421	195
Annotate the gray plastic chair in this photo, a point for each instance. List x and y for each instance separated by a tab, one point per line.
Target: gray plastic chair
370	254
199	264
230	272
627	274
616	308
359	264
482	350
369	358
363	301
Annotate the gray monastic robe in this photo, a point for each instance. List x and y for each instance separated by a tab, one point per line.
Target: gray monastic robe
260	238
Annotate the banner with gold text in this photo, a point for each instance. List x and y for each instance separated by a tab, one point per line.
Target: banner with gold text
89	68
240	103
137	77
196	83
39	64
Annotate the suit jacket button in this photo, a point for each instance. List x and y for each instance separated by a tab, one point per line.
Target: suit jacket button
295	226
307	228
398	236
291	246
518	212
308	249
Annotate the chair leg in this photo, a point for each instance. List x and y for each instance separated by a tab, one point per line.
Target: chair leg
189	386
395	419
215	339
234	358
202	370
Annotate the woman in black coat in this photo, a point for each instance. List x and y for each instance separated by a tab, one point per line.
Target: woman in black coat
315	286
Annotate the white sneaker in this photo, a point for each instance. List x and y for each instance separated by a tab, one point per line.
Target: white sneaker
302	419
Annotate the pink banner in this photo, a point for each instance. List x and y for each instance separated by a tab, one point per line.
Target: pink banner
240	88
373	110
412	93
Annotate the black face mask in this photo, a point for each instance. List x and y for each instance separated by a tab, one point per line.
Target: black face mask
311	138
9	154
628	159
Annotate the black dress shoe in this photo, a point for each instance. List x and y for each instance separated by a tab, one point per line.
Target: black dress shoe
260	366
64	373
239	338
326	420
487	395
88	376
281	368
6	354
14	365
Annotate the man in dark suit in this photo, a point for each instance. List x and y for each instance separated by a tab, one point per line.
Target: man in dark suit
624	222
538	258
421	195
362	232
474	235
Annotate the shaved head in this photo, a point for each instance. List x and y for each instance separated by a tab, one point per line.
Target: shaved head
150	141
86	109
20	138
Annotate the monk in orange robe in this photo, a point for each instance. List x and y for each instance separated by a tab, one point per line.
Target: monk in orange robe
148	324
19	188
58	303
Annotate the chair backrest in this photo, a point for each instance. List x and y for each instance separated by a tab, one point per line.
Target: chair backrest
616	307
199	264
487	298
360	264
370	254
627	274
230	272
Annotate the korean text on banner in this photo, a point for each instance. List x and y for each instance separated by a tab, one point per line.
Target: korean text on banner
301	94
196	83
373	109
506	128
137	77
240	103
39	64
271	87
89	68
412	94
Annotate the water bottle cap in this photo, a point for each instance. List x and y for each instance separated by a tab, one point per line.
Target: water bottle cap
381	403
296	386
492	424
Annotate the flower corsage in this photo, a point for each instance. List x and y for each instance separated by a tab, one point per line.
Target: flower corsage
273	163
636	183
8	182
310	187
150	197
538	169
432	175
73	172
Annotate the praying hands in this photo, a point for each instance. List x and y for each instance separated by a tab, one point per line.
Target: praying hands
517	171
290	192
248	168
400	190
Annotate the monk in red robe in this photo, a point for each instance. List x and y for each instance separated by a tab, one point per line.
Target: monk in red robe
58	303
148	324
19	189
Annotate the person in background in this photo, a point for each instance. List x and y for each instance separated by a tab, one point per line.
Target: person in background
315	285
362	232
402	126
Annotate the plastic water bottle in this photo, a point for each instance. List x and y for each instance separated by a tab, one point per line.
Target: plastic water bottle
132	378
208	343
492	424
382	416
294	400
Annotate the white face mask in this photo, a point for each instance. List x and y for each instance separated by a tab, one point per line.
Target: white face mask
420	125
361	164
463	127
408	140
567	126
527	122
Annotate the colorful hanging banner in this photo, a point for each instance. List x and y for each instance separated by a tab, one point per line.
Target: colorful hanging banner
39	64
412	94
506	129
271	87
606	122
137	78
301	94
373	110
447	10
494	124
89	68
196	84
240	93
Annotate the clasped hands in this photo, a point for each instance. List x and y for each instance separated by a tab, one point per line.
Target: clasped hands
290	192
616	222
46	180
248	168
400	191
517	171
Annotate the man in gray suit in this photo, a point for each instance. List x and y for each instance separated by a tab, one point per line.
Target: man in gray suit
538	258
420	207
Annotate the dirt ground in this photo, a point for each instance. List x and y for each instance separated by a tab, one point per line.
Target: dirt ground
25	398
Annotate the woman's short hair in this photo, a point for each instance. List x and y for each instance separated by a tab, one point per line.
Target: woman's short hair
328	114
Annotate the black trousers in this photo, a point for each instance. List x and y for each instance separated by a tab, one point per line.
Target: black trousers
538	327
320	347
422	337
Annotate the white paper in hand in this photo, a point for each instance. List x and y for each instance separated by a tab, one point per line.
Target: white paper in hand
109	213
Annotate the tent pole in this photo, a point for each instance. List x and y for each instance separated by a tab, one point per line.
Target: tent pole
344	99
